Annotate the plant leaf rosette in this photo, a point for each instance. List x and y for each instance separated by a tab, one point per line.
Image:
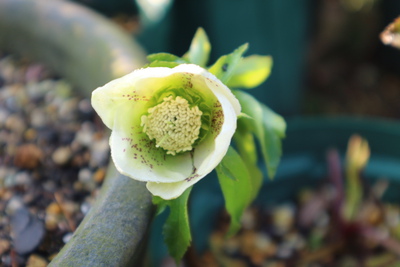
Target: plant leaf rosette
173	121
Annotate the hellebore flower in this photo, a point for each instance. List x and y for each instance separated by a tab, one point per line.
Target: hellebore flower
170	127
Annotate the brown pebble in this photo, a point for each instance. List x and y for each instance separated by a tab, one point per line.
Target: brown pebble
36	261
53	208
28	156
78	186
4	246
99	175
30	134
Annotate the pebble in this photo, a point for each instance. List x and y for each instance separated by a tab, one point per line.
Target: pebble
283	218
14	204
4	114
99	175
4	246
23	178
36	261
85	175
100	151
62	155
53	208
38	118
84	136
67	237
28	156
16	124
68	110
27	231
30	134
51	221
85	207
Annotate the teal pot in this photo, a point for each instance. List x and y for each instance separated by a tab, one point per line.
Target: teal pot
88	51
302	165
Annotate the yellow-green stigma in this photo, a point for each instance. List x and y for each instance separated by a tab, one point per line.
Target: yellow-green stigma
173	124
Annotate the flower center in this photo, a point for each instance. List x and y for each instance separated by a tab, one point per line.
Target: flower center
173	124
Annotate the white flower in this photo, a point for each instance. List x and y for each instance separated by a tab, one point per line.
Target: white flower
170	127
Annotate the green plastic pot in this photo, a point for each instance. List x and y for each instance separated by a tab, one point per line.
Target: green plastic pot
87	50
303	164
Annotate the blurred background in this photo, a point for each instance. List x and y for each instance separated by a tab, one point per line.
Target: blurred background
328	58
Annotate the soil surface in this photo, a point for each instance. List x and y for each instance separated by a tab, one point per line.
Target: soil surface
53	157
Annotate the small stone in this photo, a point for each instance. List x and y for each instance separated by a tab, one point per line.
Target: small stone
53	208
34	72
99	175
78	186
4	173
51	221
85	108
67	110
283	218
23	178
16	124
85	175
4	114
85	207
62	155
38	118
30	134
248	219
67	237
69	208
36	261
84	136
14	204
4	246
28	156
285	251
27	231
100	151
14	260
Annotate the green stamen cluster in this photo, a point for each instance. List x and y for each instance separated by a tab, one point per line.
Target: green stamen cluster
173	124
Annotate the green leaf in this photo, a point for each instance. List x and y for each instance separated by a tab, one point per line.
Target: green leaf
160	203
234	179
176	229
199	51
244	141
225	66
268	127
157	63
251	72
165	57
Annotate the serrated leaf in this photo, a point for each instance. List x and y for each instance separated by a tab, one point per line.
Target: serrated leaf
165	57
268	127
225	66
199	51
176	229
237	191
251	72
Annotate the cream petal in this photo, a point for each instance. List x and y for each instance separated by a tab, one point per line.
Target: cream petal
136	156
172	190
209	153
126	90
